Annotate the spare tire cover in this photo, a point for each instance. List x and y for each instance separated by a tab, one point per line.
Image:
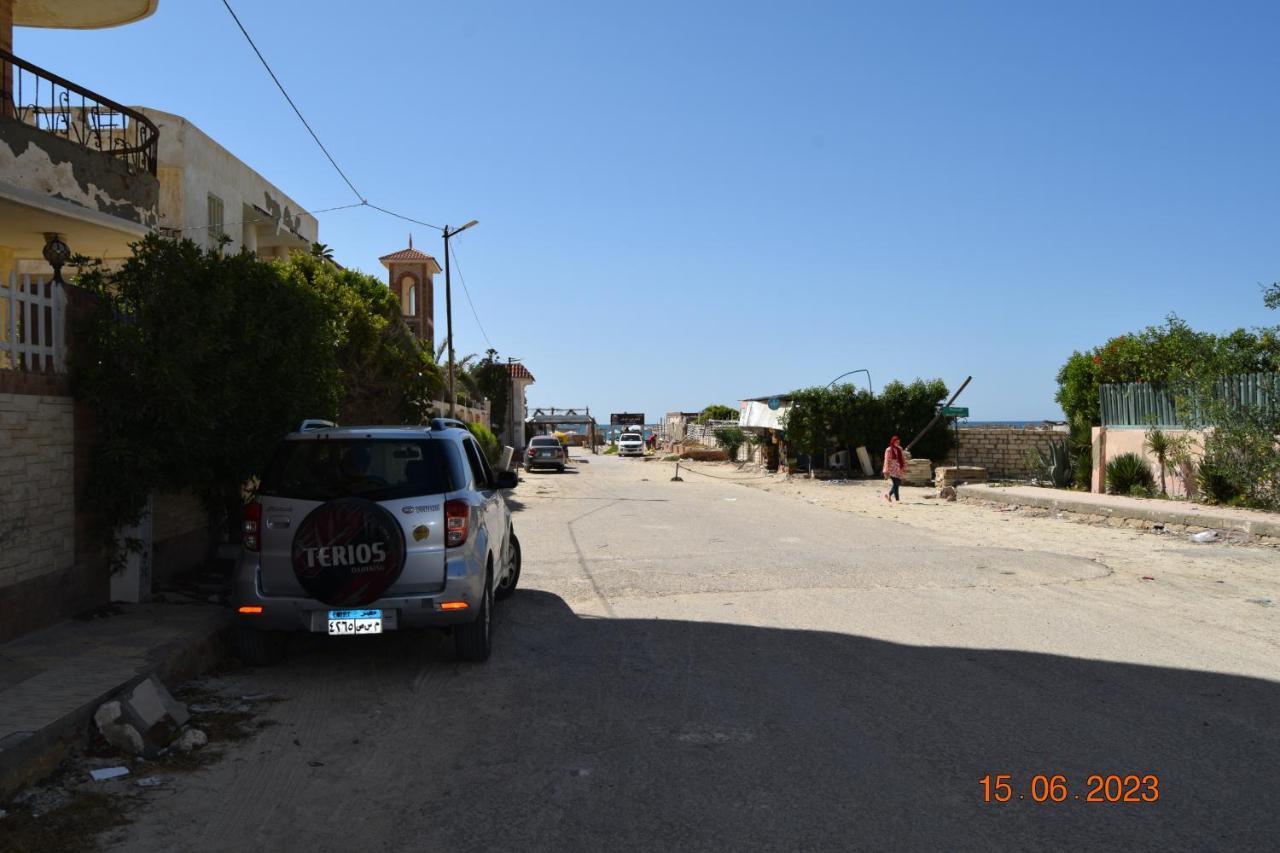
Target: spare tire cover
348	552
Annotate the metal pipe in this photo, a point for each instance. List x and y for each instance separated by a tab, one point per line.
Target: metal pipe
850	373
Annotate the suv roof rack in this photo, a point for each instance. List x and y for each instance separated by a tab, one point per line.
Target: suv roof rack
447	423
316	423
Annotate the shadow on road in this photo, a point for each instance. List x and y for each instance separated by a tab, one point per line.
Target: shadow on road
589	733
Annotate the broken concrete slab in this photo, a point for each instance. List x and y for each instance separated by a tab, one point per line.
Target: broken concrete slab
191	739
144	720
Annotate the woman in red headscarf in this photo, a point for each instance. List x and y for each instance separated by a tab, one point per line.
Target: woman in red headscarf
895	464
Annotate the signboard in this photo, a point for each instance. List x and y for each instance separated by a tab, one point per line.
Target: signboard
955	411
626	419
775	403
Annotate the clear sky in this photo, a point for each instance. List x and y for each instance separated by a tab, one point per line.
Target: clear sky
692	202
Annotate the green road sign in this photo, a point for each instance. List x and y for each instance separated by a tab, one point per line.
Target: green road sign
955	411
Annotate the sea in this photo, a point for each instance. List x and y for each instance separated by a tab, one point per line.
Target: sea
1012	424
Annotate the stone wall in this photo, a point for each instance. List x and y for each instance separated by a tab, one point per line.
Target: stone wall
1003	451
36	480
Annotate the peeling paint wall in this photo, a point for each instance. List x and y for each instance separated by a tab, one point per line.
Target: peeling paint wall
193	166
43	163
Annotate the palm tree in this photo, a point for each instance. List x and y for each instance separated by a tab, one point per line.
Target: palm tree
320	250
1160	445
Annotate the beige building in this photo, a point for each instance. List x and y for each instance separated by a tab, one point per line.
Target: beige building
206	192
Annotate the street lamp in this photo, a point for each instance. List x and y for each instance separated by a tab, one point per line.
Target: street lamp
850	373
448	306
56	253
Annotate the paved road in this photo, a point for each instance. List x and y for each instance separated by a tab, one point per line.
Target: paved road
702	666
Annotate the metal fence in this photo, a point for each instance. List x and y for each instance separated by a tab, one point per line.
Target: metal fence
1141	404
32	324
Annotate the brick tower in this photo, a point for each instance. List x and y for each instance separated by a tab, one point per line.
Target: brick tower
410	276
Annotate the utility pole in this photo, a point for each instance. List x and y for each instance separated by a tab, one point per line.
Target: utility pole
448	308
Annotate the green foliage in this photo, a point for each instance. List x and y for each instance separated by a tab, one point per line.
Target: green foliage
1213	479
1159	444
610	450
1241	461
1127	474
193	364
488	442
1057	465
848	417
388	375
730	438
717	412
1271	296
492	381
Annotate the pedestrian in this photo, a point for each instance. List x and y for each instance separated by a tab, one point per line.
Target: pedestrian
895	463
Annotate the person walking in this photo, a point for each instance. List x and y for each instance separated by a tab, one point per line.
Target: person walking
895	464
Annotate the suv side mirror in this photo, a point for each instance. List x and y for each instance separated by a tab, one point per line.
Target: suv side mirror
507	479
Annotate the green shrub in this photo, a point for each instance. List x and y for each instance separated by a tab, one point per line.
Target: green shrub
730	438
488	442
611	450
717	412
1056	465
1128	472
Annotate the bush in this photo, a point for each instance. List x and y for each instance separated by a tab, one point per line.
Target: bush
488	442
828	419
717	412
611	450
1055	466
730	438
1129	474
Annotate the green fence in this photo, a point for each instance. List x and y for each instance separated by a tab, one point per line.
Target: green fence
1142	405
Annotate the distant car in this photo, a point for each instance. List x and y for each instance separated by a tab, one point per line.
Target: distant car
631	444
361	530
545	451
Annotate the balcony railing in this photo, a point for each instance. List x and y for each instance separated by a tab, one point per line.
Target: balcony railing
45	101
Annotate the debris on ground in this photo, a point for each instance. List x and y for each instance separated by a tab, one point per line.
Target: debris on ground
104	773
1147	578
1205	536
143	720
1265	602
150	782
191	739
947	493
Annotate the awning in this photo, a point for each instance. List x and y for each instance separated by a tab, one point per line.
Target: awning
753	413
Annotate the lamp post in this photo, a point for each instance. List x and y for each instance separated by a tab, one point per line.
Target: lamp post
850	373
448	307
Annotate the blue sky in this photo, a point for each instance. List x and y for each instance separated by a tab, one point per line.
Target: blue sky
685	203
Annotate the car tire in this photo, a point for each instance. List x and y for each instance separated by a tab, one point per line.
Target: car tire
257	647
473	640
560	469
508	586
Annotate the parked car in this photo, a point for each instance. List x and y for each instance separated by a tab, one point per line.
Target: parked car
360	530
545	451
631	444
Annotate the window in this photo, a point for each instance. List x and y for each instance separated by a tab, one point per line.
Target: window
409	295
376	469
215	232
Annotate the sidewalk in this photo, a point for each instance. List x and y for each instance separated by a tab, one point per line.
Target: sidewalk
51	681
1248	521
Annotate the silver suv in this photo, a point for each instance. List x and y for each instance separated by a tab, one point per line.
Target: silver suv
361	530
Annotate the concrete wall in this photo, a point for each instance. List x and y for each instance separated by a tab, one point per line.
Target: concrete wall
1108	443
1003	451
257	215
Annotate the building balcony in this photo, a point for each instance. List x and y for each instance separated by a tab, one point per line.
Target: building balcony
72	162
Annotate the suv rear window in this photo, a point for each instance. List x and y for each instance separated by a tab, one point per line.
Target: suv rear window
545	442
375	469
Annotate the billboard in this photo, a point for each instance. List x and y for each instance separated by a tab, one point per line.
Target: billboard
626	419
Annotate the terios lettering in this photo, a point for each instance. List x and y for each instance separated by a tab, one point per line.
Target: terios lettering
356	556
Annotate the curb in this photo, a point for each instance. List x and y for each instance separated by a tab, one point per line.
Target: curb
38	755
1205	518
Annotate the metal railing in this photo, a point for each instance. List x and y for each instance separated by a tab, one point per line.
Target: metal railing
47	102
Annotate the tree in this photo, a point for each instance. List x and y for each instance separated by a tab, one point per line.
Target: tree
493	382
823	419
717	412
322	251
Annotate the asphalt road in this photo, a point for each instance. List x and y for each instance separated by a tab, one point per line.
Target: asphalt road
702	666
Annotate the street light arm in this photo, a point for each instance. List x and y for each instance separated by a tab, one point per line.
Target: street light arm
850	373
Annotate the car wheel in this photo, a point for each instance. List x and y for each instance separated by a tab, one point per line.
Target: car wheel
508	586
257	647
560	469
472	641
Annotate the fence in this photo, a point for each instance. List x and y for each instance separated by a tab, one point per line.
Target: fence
1142	405
32	324
706	433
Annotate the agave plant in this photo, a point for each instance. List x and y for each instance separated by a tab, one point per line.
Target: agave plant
1056	466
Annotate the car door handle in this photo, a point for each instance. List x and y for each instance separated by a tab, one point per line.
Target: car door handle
279	522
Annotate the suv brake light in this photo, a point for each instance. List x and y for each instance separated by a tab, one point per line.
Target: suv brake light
251	525
457	519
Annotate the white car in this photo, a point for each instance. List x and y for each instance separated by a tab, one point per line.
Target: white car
631	444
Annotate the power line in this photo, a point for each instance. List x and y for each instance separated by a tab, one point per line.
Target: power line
263	218
280	86
454	254
401	216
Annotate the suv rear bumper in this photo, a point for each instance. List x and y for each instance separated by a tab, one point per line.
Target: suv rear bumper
299	613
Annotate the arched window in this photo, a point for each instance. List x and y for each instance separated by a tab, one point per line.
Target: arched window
409	295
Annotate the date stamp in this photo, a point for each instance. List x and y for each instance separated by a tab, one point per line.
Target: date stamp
1057	788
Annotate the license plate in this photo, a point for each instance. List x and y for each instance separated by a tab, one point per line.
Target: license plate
353	622
546	454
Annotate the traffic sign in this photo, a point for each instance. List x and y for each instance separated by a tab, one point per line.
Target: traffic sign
955	411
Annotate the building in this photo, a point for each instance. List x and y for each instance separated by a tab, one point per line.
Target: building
411	277
208	195
73	163
518	409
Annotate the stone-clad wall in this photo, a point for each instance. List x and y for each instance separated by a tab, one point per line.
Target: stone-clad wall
36	478
1003	451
